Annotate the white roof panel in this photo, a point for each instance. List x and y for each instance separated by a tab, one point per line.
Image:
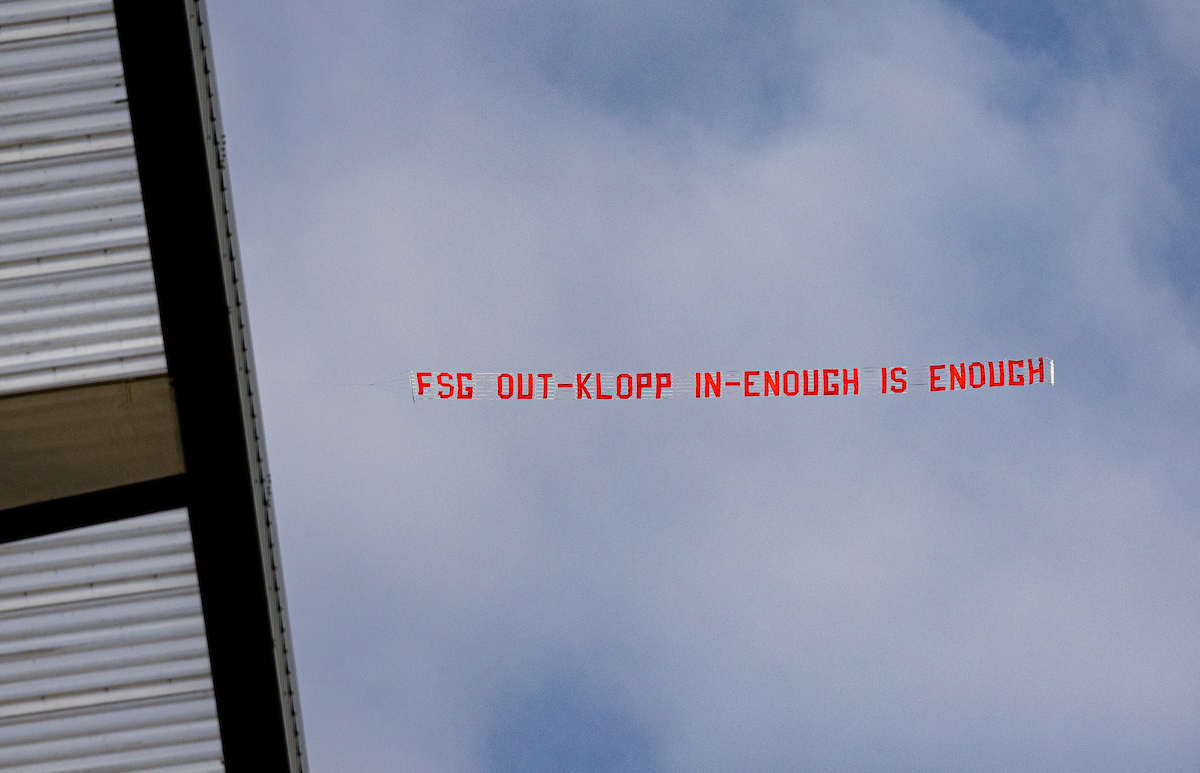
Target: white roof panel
103	659
77	300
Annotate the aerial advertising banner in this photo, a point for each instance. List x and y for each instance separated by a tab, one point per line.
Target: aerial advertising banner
776	383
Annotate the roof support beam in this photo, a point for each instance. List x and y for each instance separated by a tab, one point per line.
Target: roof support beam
208	361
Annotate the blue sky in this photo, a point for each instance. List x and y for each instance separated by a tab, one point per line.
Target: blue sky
1001	580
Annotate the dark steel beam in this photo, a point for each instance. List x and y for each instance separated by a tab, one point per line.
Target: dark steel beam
92	508
171	105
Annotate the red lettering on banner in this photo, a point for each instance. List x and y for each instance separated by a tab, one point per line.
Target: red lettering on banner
795	390
933	378
754	383
847	381
500	379
747	379
628	386
643	382
581	389
468	392
661	381
1018	379
1040	370
825	377
770	384
971	374
712	384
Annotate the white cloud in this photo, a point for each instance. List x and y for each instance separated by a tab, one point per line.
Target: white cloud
982	580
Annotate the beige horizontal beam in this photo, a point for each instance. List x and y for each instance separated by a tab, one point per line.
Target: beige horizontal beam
62	442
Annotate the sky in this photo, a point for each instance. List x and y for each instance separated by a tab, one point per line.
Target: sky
1001	580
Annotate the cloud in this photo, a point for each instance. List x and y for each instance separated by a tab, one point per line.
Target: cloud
985	580
566	724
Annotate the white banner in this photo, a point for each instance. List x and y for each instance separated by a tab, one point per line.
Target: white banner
778	383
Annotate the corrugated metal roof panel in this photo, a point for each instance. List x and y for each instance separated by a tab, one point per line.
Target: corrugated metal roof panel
103	660
77	300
